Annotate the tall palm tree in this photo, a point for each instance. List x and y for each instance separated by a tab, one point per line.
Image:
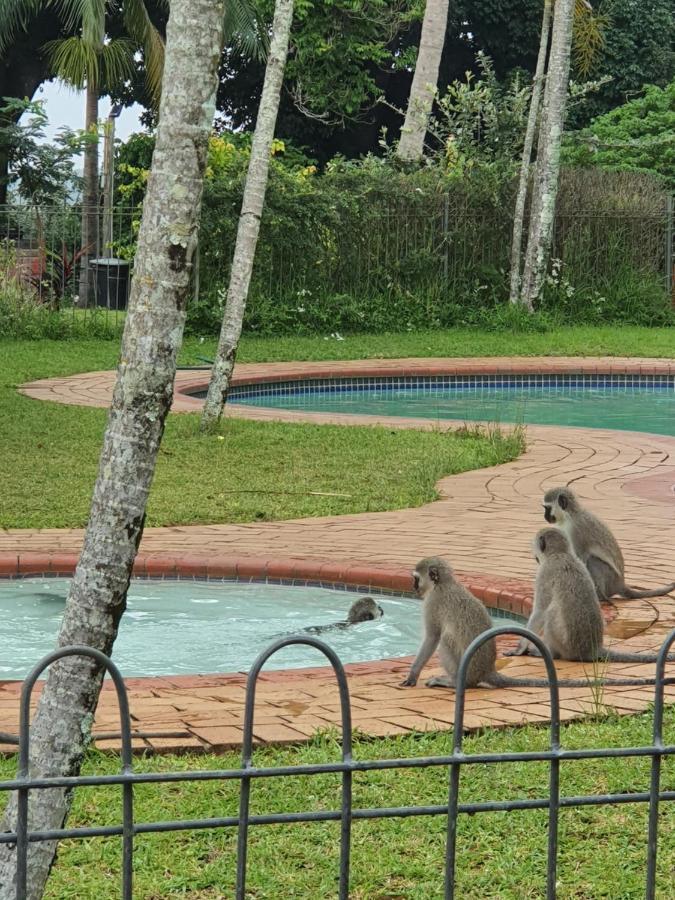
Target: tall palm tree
152	336
425	80
89	60
251	214
587	32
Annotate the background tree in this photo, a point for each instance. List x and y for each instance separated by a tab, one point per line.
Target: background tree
249	218
547	170
638	136
143	391
425	80
95	62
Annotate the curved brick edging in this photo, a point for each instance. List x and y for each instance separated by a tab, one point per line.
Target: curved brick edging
483	522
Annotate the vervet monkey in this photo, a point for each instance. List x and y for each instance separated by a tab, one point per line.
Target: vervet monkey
566	613
595	545
452	618
365	609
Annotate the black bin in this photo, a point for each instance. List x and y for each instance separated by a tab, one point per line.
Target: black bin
111	282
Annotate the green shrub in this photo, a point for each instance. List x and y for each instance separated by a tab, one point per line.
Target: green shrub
23	316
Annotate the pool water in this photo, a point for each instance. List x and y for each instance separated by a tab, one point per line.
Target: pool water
611	405
191	627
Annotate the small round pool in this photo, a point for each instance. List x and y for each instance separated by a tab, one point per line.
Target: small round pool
181	627
623	402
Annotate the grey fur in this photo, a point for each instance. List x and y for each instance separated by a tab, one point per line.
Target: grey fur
566	613
365	609
595	545
453	617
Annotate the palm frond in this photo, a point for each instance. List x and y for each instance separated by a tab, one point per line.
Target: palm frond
15	16
244	27
589	36
76	62
89	15
142	30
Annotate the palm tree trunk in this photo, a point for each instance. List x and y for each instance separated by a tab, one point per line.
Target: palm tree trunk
530	132
142	397
90	194
547	171
425	80
249	219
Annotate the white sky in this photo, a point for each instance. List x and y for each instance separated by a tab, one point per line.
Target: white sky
64	106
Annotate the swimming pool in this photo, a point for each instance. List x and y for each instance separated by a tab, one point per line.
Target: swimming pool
180	627
623	402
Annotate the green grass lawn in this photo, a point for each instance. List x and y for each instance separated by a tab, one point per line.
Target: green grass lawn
500	855
250	472
259	471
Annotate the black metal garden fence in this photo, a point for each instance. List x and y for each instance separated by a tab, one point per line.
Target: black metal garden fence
23	784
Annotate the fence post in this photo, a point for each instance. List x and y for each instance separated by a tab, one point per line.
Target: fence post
670	284
446	226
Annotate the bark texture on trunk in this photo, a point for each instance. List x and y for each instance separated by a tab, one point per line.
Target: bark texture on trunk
425	80
249	219
547	170
90	194
530	133
142	396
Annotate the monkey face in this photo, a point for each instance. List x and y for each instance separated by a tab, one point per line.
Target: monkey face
549	515
416	581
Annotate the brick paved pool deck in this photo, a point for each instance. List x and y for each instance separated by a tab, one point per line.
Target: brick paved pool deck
483	523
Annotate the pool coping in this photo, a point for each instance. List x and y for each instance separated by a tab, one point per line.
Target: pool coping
507	595
293	705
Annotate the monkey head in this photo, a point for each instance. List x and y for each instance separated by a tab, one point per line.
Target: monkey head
549	541
559	503
364	610
428	573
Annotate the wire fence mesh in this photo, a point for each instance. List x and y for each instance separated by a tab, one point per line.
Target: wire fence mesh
442	247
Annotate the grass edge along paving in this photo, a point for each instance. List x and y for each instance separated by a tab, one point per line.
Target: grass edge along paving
500	855
249	471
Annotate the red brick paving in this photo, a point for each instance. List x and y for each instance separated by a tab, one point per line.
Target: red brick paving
482	522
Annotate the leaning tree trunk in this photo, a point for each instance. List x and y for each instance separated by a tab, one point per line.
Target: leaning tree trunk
90	195
547	171
249	219
530	132
425	80
143	392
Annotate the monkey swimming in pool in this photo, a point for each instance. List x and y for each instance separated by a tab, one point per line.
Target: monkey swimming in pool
365	609
595	545
452	618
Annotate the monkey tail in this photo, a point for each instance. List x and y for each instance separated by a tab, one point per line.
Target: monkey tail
6	738
607	655
503	681
629	593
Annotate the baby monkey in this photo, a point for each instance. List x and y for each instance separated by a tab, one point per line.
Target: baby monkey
452	618
566	613
595	545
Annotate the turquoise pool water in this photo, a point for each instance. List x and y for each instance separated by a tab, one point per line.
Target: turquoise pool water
626	405
192	627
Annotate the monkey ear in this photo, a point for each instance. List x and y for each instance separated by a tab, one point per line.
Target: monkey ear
433	574
542	544
562	501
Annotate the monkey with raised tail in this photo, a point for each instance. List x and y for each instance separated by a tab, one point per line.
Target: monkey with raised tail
595	545
452	618
566	612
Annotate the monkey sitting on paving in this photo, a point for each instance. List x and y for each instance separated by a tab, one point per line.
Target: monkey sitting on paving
566	612
595	545
452	618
